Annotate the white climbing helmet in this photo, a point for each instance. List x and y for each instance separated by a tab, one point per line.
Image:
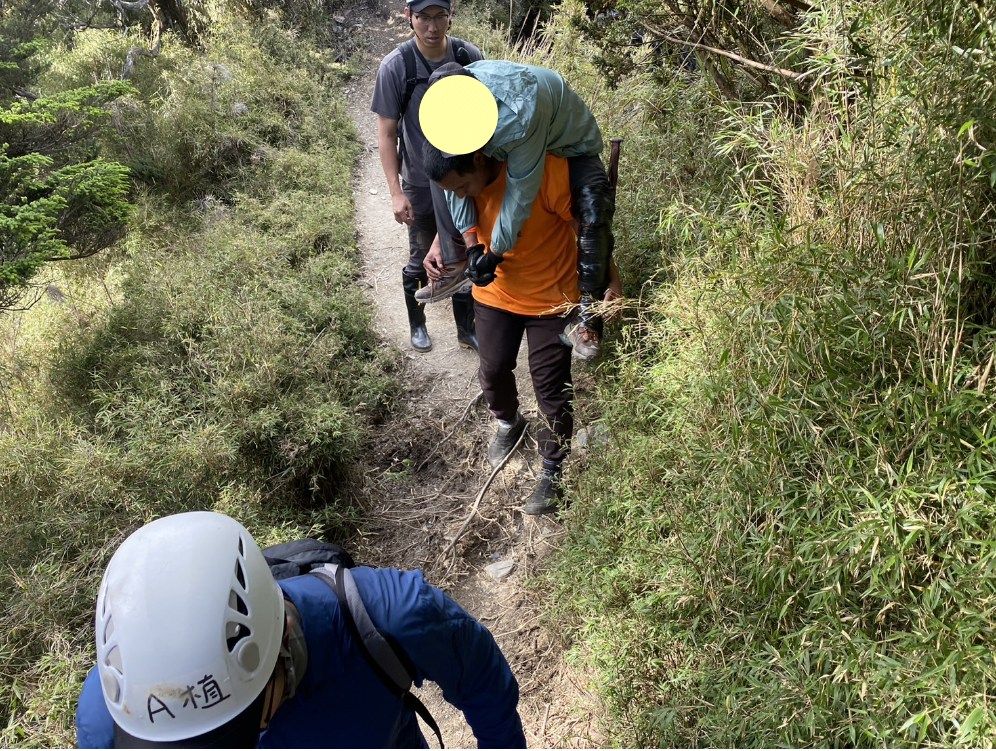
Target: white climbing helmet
189	624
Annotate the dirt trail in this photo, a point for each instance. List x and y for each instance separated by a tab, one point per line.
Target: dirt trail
431	465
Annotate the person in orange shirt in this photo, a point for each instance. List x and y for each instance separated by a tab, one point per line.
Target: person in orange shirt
522	291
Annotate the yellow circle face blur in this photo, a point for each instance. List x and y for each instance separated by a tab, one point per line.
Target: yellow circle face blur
458	114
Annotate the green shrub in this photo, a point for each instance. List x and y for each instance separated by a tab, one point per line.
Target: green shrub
58	198
200	118
789	539
221	358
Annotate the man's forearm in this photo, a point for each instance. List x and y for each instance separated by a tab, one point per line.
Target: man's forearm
487	693
463	211
515	209
391	164
387	145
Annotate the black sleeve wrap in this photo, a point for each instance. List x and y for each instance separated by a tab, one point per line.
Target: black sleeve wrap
594	207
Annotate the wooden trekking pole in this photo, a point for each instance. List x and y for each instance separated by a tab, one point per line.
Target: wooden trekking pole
614	149
616	146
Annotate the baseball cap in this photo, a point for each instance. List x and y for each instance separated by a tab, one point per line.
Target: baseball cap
417	6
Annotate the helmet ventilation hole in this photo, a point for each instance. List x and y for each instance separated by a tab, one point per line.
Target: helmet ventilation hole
236	603
112	686
113	658
235	631
239	573
108	629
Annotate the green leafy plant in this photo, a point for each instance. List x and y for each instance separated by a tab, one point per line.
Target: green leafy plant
222	357
787	542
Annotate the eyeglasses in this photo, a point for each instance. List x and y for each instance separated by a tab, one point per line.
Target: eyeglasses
439	19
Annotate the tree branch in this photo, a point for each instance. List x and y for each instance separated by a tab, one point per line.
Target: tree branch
724	84
784	72
785	17
129	7
128	69
477	501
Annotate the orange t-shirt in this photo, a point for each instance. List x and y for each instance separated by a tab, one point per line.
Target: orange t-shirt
540	272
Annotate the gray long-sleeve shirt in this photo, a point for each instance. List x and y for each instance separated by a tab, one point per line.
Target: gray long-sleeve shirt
537	112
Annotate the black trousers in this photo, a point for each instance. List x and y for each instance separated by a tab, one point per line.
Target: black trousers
431	215
500	334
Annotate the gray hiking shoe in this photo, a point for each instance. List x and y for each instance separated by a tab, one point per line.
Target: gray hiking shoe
505	440
547	493
580	349
453	283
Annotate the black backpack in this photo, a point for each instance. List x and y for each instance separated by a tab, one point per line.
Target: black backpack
331	564
408	52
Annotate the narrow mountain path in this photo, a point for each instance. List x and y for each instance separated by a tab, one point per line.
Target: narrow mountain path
431	466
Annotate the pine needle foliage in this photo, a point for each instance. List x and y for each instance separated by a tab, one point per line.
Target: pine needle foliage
59	199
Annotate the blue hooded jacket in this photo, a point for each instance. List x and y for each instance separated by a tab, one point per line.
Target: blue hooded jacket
340	702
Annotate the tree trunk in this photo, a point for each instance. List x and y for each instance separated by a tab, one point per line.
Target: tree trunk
170	14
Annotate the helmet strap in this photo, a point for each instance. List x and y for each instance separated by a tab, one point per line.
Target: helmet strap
275	689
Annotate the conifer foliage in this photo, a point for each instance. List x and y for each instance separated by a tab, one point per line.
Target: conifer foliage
59	199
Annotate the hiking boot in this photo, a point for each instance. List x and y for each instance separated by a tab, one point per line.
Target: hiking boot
580	349
416	313
453	283
547	493
463	314
505	440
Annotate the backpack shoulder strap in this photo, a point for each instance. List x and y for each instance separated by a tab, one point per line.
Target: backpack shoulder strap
408	51
376	649
460	53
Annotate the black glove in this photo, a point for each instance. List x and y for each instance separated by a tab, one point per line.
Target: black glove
481	266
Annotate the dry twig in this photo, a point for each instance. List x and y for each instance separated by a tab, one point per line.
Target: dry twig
480	495
435	451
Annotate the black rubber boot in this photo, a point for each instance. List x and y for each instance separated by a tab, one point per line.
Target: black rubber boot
548	492
463	314
416	312
505	440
